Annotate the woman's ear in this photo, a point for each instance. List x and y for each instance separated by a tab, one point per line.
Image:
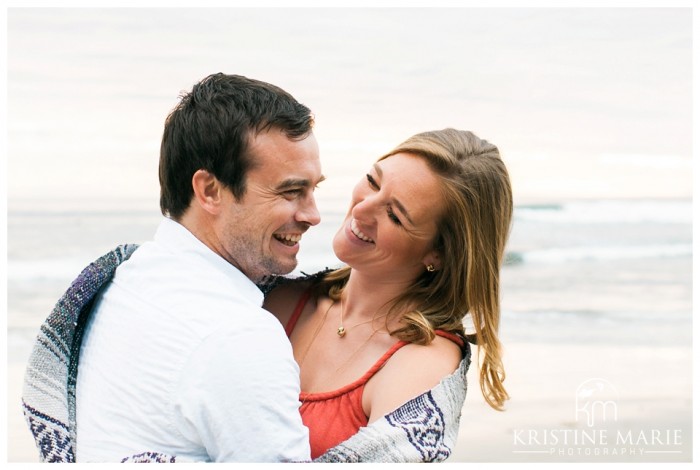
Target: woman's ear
208	191
432	261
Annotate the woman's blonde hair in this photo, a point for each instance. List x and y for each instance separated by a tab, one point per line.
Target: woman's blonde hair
471	237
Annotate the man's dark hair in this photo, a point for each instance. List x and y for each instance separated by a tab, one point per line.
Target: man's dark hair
209	129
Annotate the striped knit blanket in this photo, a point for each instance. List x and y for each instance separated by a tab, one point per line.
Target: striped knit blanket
48	397
422	430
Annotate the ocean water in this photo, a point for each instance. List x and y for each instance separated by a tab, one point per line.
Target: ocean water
613	272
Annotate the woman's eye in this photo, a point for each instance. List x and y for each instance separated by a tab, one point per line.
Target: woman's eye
393	217
372	182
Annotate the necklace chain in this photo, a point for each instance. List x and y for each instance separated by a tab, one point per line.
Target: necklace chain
323	322
342	331
347	361
318	329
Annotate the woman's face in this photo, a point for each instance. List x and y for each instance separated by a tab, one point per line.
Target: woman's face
392	223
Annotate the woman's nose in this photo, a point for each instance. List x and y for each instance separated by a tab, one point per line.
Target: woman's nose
365	209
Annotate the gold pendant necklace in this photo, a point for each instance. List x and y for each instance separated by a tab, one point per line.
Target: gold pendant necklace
341	331
365	343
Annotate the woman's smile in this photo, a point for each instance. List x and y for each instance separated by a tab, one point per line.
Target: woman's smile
358	233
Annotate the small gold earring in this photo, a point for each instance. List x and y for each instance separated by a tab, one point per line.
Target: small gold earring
430	268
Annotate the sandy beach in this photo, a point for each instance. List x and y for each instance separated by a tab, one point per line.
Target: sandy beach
654	388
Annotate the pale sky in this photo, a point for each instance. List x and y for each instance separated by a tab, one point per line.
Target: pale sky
582	102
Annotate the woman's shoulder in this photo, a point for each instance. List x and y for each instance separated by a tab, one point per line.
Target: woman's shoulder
283	299
437	359
282	294
411	371
428	363
275	282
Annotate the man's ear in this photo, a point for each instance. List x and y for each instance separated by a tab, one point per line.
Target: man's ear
208	191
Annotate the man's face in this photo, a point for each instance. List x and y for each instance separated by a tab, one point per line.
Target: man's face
260	233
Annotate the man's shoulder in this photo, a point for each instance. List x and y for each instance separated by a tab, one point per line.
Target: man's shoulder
185	280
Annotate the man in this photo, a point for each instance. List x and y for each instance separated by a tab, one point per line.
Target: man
179	358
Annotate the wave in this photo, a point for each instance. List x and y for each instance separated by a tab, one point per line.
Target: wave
67	269
546	315
607	212
598	253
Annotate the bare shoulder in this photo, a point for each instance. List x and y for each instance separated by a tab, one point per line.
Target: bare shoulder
434	361
282	300
411	371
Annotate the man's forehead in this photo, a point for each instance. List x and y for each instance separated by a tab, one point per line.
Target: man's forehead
275	144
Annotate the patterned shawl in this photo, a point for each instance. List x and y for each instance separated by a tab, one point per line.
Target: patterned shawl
48	398
421	430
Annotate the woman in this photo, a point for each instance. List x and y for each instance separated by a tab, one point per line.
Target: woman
423	243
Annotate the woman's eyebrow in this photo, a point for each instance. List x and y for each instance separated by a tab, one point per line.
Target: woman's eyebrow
403	210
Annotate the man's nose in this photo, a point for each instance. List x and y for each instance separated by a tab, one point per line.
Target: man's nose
309	212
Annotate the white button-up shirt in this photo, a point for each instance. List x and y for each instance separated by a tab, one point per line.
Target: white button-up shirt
180	358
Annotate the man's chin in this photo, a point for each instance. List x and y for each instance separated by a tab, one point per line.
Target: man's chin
281	267
288	268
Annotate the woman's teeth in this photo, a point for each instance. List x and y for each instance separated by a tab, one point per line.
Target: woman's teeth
359	234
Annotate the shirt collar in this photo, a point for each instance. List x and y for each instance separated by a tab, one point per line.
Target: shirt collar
175	236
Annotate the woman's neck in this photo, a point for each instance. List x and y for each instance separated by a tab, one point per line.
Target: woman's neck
366	297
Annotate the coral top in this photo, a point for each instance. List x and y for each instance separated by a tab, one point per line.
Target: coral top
332	417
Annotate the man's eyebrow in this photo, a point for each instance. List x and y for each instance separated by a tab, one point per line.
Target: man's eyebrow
292	183
394	201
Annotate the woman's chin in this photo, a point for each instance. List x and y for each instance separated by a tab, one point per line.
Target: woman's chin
338	246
